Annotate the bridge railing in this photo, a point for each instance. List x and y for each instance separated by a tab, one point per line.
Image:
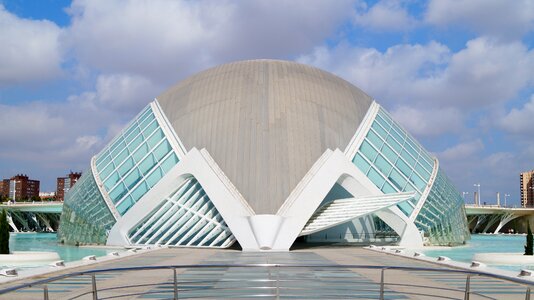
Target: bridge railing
283	280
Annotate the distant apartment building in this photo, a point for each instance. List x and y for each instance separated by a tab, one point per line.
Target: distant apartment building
20	187
527	188
64	184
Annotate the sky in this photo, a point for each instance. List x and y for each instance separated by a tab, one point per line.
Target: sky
458	75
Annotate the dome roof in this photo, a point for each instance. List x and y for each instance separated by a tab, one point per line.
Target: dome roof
265	122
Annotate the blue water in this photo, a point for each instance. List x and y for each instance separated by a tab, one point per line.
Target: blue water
48	242
481	243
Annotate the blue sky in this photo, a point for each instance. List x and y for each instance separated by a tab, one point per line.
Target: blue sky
457	74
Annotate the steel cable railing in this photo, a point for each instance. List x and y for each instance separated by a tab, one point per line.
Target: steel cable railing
339	284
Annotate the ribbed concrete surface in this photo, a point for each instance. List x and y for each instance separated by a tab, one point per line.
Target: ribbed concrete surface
265	122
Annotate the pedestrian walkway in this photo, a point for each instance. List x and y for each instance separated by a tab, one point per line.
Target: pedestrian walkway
272	283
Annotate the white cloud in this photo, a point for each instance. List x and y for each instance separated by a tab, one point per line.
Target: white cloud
480	75
30	49
500	18
429	122
386	15
166	40
462	151
521	120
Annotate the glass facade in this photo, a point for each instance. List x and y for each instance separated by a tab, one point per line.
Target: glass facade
187	217
86	219
135	161
442	217
393	160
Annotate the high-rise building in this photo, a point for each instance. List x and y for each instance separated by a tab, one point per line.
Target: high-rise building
260	153
526	184
20	187
64	184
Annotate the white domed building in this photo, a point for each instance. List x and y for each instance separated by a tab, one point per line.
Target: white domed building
260	153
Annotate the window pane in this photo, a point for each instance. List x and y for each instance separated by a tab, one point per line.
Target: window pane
150	128
121	156
361	163
419	183
408	158
399	137
422	171
125	205
146	121
155	138
111	181
118	192
140	153
154	177
389	153
397	179
132	179
104	174
374	139
135	143
125	167
368	151
162	150
102	162
379	130
147	164
131	132
139	191
403	167
388	189
375	177
383	165
394	144
169	162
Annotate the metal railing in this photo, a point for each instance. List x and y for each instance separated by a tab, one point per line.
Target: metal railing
275	286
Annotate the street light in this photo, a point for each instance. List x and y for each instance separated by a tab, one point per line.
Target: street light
478	195
505	196
463	195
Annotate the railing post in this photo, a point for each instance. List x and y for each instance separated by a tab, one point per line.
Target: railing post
45	291
93	281
527	295
175	284
382	284
277	284
467	287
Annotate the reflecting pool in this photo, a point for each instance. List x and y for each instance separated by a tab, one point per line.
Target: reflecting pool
482	243
48	242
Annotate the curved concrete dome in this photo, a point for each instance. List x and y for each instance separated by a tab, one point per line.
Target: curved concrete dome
265	122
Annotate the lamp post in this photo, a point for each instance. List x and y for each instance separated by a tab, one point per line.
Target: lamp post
477	199
505	196
463	195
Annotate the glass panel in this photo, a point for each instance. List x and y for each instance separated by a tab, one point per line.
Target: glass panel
104	174
405	208
139	191
118	149
132	179
102	162
396	135
162	150
403	167
388	189
118	192
140	153
382	165
126	166
368	151
379	130
397	179
169	162
394	144
121	156
154	177
150	128
125	205
131	132
155	138
135	143
408	158
111	181
361	163
419	183
375	177
147	164
422	171
374	139
389	154
382	122
146	121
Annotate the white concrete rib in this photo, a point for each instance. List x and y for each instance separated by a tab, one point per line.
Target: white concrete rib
343	210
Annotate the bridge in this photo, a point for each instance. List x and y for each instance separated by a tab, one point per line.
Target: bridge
498	219
33	216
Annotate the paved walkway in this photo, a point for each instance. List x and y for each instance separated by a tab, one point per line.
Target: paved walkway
244	283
